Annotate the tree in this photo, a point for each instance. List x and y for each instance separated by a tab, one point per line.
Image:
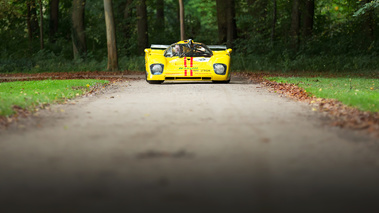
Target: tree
182	27
231	23
159	21
367	6
308	18
227	29
365	13
221	6
111	36
142	26
295	24
32	21
127	16
54	19
78	28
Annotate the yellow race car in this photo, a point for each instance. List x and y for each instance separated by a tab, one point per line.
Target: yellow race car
187	61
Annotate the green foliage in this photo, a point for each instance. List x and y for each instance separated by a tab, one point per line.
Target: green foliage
201	21
31	94
357	92
367	7
340	41
302	63
46	61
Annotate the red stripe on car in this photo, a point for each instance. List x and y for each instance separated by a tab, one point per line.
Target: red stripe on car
185	65
191	65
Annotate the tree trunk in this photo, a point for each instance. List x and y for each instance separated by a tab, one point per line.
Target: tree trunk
221	6
33	18
41	25
308	18
295	24
54	19
111	36
142	26
78	29
182	28
231	23
274	18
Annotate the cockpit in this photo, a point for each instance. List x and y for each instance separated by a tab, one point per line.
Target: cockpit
189	49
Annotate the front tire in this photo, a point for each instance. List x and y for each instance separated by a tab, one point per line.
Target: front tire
152	82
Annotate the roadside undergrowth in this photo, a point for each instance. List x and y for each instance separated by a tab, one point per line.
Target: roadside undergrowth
342	115
100	75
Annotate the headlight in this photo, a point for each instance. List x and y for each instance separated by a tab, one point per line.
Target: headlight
156	69
219	69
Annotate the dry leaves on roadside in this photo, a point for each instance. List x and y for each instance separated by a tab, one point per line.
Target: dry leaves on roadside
342	115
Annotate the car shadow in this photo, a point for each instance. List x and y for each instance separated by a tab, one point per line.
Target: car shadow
235	80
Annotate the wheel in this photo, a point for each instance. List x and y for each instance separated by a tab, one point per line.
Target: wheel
152	82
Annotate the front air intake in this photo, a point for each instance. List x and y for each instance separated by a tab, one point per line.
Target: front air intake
189	78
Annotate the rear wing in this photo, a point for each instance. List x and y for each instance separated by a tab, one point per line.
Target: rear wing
217	47
159	46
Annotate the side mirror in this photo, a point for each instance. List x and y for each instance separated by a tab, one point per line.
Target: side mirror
147	50
229	50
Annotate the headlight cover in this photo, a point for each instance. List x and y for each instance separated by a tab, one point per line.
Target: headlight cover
156	69
220	69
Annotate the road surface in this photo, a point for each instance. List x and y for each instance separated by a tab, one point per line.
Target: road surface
186	147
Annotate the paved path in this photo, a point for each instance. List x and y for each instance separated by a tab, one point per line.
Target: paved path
186	147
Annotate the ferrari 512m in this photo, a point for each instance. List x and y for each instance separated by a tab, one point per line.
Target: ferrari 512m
187	61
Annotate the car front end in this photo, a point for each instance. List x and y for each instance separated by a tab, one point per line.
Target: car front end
187	61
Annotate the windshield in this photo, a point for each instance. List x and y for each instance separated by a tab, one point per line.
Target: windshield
188	50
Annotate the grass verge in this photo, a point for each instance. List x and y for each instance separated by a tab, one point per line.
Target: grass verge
30	94
361	93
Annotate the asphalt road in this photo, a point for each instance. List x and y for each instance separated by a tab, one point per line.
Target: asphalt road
186	147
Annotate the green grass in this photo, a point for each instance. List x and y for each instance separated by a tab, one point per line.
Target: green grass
31	94
362	93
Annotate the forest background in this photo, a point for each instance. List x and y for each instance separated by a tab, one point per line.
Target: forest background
275	35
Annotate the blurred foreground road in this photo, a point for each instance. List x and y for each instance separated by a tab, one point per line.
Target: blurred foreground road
186	147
